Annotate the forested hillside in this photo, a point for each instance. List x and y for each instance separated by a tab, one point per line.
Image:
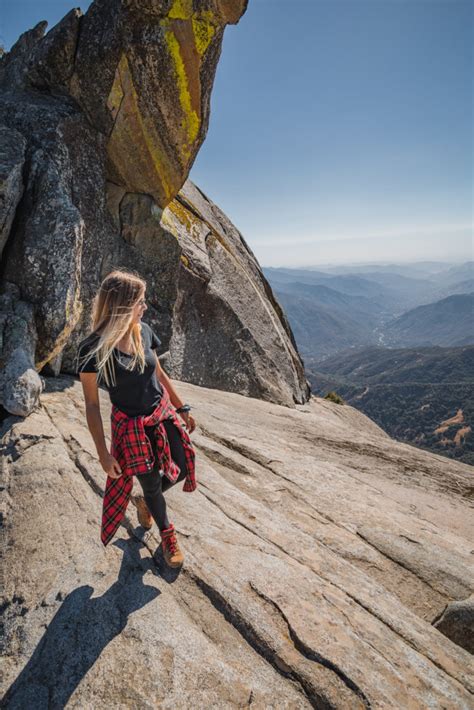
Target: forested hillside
422	396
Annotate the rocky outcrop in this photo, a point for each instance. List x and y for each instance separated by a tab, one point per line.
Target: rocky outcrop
457	623
20	384
97	183
318	554
153	63
225	310
12	157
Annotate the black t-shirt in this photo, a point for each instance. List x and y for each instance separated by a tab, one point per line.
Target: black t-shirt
135	393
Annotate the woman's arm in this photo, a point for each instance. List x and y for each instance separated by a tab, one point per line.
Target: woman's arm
95	425
93	415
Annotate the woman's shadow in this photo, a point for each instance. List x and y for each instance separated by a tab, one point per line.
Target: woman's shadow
79	632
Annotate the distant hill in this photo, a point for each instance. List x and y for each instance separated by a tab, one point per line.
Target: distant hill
458	279
448	322
455	275
284	275
416	269
324	321
409	288
423	396
391	298
461	287
330	312
394	288
401	365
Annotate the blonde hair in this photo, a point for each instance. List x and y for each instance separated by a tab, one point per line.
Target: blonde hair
111	315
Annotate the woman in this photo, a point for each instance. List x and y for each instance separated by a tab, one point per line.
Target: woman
147	438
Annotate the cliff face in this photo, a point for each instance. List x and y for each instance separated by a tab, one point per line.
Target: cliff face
325	566
101	120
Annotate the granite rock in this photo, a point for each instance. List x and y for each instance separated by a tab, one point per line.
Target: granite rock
104	171
282	601
12	158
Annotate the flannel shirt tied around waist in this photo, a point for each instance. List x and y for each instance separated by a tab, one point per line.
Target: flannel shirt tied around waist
132	449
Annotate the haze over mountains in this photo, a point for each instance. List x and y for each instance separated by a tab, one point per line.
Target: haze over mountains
396	341
334	309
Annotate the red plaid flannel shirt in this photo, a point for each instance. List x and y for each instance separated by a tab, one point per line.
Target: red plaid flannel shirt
131	447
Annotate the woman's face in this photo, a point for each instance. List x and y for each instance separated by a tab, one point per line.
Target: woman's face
139	308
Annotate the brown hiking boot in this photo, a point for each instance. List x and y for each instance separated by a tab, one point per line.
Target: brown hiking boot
143	514
169	545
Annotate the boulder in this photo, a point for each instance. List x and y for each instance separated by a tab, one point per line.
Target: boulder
457	623
20	384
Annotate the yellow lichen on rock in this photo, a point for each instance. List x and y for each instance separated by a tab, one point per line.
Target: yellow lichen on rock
132	131
166	221
203	31
203	22
199	28
192	121
115	97
176	212
163	149
181	214
181	10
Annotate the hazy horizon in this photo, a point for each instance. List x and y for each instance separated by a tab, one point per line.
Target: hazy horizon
364	262
453	247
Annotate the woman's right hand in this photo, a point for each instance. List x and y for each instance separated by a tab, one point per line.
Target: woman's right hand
110	465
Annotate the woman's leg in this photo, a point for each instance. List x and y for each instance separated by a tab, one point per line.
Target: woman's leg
153	484
152	488
154	498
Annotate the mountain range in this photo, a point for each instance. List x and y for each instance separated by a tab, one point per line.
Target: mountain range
372	334
394	305
446	322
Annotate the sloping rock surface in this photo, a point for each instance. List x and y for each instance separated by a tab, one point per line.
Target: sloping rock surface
318	554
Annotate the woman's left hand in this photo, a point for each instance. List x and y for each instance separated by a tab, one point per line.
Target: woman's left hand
189	420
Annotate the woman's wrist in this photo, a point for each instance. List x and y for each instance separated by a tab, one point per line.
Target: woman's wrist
183	408
102	452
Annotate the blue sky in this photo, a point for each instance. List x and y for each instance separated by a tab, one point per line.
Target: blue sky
340	130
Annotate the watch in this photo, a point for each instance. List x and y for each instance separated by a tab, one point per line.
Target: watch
183	408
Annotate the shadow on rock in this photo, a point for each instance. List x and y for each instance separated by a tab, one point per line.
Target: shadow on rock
78	633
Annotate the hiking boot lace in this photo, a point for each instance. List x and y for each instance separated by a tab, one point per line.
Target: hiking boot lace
172	544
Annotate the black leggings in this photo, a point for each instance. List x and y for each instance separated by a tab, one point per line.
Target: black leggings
153	484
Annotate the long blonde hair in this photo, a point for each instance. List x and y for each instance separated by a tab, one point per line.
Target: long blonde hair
111	315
